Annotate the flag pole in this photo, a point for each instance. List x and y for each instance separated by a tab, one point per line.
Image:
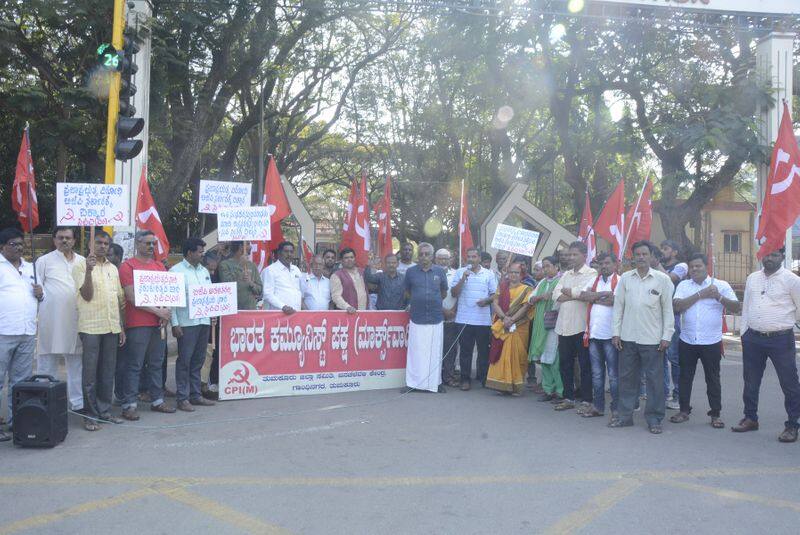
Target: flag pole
460	220
636	209
30	210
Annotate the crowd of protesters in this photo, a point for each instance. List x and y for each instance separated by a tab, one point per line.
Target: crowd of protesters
581	326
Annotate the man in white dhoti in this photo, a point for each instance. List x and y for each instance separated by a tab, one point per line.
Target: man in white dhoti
58	315
426	286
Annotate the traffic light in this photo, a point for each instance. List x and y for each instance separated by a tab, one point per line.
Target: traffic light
128	126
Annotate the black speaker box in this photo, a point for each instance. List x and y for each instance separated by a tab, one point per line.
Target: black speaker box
39	406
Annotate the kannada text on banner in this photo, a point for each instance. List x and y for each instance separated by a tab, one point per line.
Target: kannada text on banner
515	240
158	289
267	353
92	205
243	224
212	300
215	195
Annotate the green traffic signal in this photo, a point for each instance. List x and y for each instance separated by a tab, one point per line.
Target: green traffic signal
108	57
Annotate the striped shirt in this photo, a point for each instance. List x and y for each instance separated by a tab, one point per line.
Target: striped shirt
101	315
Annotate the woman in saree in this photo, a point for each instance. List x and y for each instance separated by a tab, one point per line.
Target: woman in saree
508	357
544	341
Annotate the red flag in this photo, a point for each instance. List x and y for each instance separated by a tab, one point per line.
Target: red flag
640	218
383	212
464	232
356	228
611	224
23	198
147	217
274	198
349	218
308	255
781	205
362	237
586	231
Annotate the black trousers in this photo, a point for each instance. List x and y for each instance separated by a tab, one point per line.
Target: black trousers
569	349
709	356
213	372
471	336
449	351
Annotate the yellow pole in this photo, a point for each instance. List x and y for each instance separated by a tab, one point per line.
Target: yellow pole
113	95
113	92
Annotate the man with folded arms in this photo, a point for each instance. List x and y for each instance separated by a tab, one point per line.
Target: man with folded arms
701	300
570	327
771	308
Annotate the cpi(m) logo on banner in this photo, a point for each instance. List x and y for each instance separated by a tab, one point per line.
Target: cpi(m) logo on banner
266	353
238	379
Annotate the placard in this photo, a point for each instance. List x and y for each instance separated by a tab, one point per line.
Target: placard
158	289
243	224
515	240
212	300
215	195
92	205
267	353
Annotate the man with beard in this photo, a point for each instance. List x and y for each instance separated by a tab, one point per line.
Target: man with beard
769	313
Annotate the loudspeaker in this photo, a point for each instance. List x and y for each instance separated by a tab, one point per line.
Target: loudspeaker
39	406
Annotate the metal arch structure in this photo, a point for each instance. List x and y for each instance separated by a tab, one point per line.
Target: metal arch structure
513	203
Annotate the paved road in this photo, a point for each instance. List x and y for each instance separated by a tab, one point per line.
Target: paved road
382	462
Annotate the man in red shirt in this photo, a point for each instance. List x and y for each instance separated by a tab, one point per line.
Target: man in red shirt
144	328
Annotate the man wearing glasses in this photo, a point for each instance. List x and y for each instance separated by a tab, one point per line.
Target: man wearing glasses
145	338
58	317
20	296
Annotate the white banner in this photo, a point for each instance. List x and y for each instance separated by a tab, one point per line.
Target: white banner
92	205
775	7
212	300
215	194
515	240
243	224
158	289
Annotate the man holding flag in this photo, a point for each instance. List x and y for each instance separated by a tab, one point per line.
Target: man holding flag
772	296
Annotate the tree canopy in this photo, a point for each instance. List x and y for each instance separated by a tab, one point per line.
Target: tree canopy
431	96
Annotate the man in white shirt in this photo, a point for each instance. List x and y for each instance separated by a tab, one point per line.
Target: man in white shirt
474	286
770	310
58	316
20	296
281	282
602	353
316	287
450	348
406	258
701	301
570	326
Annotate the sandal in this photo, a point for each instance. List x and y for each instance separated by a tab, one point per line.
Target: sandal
619	423
655	429
716	423
90	425
591	413
680	418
